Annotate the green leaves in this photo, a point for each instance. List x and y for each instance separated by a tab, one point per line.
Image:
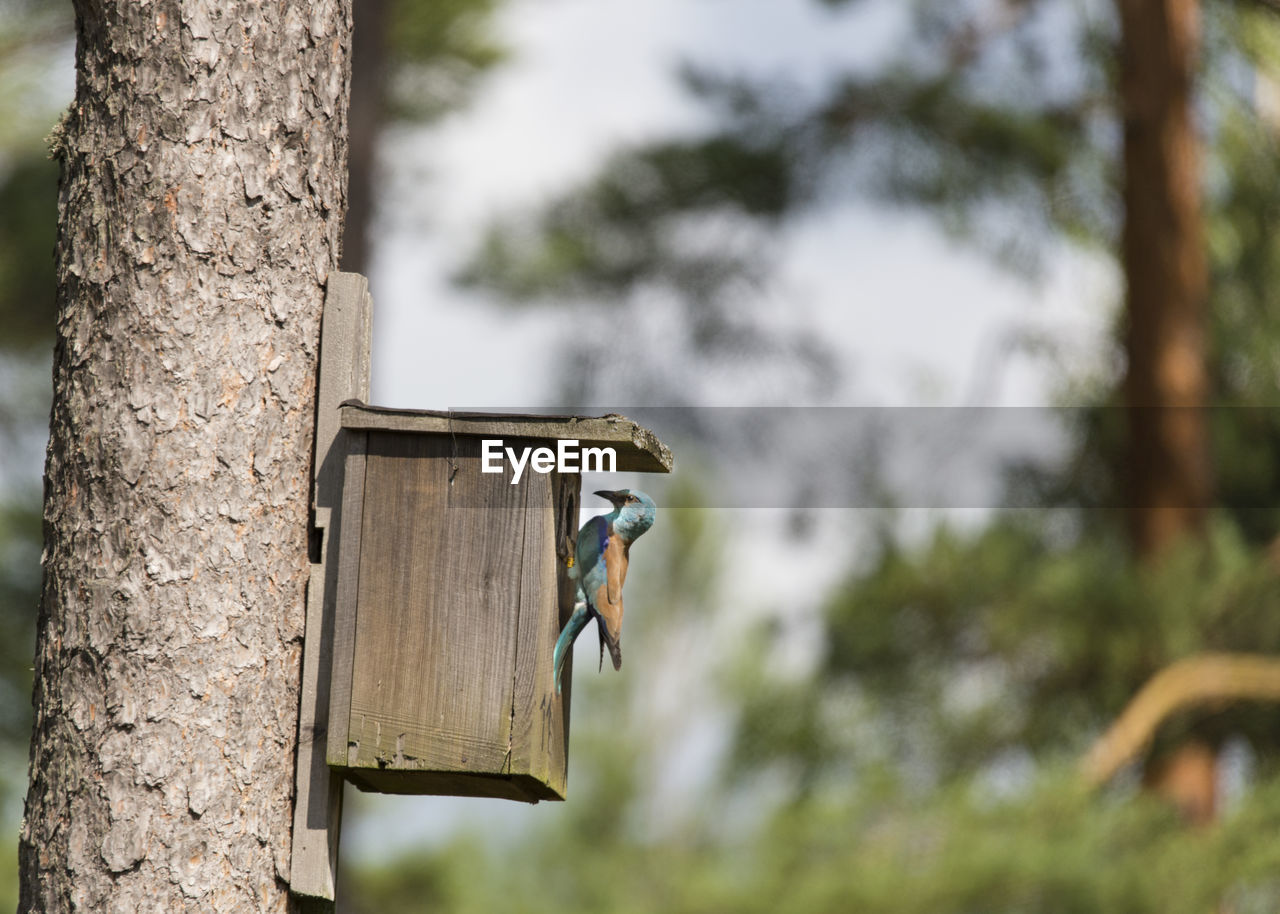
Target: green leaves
628	226
28	210
439	50
927	763
1003	640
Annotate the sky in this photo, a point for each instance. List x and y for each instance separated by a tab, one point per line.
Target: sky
591	75
914	319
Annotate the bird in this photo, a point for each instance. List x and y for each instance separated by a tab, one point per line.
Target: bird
604	546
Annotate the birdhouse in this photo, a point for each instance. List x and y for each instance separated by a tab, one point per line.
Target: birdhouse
439	545
452	585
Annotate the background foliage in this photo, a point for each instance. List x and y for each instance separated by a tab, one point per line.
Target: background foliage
925	761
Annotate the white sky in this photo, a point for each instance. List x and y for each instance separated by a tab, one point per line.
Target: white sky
914	319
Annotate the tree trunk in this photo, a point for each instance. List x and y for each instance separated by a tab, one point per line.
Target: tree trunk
200	210
1164	262
1187	777
1166	386
368	101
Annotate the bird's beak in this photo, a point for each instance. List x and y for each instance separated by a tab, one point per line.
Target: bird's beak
612	496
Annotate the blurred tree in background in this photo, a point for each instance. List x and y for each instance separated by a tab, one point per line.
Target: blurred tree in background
930	761
927	761
34	53
414	60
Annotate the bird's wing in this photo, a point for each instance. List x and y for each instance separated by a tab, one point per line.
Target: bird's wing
607	599
615	568
602	567
609	622
592	539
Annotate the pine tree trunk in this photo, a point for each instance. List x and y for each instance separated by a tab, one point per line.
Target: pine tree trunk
1166	385
368	103
200	212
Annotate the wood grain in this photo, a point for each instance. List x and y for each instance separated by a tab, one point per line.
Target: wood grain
345	338
538	738
457	605
346	590
438	604
345	341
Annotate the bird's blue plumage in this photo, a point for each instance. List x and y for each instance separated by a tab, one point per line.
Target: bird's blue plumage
601	558
578	621
592	540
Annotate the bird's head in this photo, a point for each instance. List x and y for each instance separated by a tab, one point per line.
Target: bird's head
634	512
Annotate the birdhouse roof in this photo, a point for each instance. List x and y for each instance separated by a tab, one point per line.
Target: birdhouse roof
638	448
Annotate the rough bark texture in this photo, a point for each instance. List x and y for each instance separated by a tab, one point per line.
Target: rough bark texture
201	204
1165	266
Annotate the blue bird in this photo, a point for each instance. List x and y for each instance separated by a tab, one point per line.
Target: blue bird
604	545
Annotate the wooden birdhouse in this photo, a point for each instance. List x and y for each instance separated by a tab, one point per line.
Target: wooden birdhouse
440	546
452	588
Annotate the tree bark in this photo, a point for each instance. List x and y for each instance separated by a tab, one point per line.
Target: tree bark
1165	389
200	210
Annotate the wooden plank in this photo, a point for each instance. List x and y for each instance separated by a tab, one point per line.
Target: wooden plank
435	647
345	590
638	449
568	496
344	373
521	787
318	795
539	733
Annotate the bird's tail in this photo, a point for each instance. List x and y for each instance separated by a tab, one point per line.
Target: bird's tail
614	646
577	622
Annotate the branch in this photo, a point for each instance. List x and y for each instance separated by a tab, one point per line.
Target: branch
1199	680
